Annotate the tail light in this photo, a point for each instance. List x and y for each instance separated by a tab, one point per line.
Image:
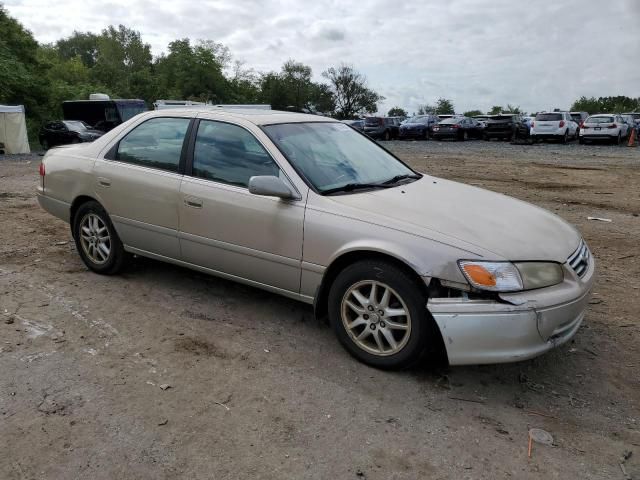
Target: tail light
455	126
533	124
581	124
561	123
613	125
41	169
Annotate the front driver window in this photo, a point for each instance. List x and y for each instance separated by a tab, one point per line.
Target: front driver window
229	154
156	143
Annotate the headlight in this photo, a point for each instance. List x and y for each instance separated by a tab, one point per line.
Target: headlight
540	274
509	277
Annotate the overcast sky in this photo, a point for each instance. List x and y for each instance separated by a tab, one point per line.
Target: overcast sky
538	54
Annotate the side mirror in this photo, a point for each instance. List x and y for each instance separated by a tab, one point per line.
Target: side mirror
271	186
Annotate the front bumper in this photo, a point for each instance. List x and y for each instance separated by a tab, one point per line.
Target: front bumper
526	325
411	134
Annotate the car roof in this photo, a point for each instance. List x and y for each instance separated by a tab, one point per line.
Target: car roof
255	116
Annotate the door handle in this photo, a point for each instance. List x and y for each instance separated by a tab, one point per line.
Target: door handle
193	202
105	182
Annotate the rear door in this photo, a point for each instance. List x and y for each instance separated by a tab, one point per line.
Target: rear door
138	183
223	226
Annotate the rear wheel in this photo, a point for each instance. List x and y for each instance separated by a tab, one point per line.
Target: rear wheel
379	314
618	139
465	136
96	239
387	135
565	137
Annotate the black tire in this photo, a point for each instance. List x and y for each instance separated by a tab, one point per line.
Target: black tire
618	139
387	135
421	323
425	135
465	136
115	260
565	137
581	140
486	138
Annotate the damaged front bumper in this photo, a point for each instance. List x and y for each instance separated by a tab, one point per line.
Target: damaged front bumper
522	325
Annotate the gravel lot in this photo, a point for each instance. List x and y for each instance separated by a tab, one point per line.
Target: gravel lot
259	389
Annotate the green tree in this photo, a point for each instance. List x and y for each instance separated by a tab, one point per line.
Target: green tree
426	110
495	110
617	104
397	112
512	109
194	72
21	74
123	62
472	113
351	94
79	44
444	107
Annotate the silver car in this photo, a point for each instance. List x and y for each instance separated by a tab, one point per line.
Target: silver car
307	207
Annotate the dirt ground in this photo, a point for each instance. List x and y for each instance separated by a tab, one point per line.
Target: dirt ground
259	389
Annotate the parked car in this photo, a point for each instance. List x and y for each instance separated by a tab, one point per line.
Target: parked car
504	126
303	206
481	119
630	121
355	124
604	127
554	126
579	118
418	126
457	128
63	132
635	115
526	123
385	128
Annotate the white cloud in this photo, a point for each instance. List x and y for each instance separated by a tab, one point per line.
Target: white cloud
538	55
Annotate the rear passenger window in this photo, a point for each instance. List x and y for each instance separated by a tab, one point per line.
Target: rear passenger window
229	154
156	143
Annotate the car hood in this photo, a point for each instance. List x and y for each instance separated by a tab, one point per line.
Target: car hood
470	218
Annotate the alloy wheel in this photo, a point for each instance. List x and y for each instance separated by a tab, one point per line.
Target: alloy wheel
95	238
376	318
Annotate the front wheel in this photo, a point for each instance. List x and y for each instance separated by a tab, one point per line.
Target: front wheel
379	314
96	239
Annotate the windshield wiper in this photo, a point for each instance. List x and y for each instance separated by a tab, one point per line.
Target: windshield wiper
397	178
350	187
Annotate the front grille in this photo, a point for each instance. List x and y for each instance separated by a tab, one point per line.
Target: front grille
579	260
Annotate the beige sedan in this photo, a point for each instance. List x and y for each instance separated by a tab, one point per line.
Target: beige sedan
305	206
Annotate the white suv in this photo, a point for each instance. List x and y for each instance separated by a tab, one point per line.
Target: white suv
554	125
604	127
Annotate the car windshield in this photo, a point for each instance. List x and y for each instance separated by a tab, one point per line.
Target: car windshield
500	117
450	121
76	125
599	120
371	121
332	155
418	120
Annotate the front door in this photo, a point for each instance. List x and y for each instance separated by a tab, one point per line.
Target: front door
139	185
225	228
